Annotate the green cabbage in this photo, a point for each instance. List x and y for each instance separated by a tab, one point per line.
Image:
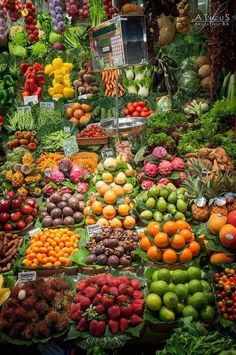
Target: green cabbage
189	82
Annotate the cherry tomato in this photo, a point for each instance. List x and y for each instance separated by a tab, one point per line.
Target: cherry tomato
142	103
126	111
143	114
135	104
135	114
145	109
139	109
131	109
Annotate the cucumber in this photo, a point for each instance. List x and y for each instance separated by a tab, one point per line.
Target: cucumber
224	87
109	113
103	113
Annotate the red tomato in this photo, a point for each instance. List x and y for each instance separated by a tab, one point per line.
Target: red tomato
128	116
142	103
135	114
139	109
143	114
130	104
20	225
26	209
131	109
145	109
147	114
135	104
126	111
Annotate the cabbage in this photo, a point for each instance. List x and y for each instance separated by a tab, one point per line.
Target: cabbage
18	51
189	82
188	64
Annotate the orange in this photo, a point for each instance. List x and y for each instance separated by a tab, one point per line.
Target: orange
97	207
118	190
110	197
89	220
182	225
142	234
127	200
115	223
186	256
169	256
154	253
153	228
178	242
145	243
103	189
107	178
129	222
170	227
216	222
187	234
109	212
161	240
103	222
194	247
123	210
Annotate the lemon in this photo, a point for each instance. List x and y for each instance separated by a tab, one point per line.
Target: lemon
4	295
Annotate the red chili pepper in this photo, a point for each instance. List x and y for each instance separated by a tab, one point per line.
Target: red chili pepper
38	92
24	67
29	71
38	67
1	120
32	85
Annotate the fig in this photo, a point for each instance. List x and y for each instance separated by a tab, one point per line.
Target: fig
50	206
102	259
91	259
97	237
120	250
57	222
69	221
55	197
73	203
113	260
43	214
124	261
67	211
78	216
47	221
56	213
62	204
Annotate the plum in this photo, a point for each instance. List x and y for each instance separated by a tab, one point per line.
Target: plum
62	204
56	213
50	206
69	221
67	211
47	221
57	222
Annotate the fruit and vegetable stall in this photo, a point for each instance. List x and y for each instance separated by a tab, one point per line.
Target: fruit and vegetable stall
117	177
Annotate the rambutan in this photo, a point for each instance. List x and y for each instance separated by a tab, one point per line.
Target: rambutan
63	322
41	307
19	314
4	325
49	294
15	291
41	330
58	284
28	332
29	302
32	315
12	303
53	316
16	329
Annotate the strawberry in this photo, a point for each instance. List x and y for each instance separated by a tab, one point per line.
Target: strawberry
135	284
113	312
124	324
90	291
126	311
85	303
135	320
114	291
138	294
101	280
97	299
97	327
78	298
114	326
105	289
74	307
107	300
137	308
130	291
123	280
80	286
89	281
100	309
82	325
113	282
76	314
121	299
92	327
122	289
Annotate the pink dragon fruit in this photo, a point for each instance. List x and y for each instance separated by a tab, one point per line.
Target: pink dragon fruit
163	182
165	168
159	152
145	162
177	164
151	169
57	176
48	189
77	173
140	175
65	165
82	187
147	184
65	190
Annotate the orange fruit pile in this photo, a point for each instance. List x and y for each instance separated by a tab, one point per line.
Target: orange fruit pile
172	243
51	248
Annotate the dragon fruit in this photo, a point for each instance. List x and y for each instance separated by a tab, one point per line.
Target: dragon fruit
163	181
151	169
177	164
82	187
57	176
159	152
140	175
165	168
77	173
65	190
48	189
147	184
65	165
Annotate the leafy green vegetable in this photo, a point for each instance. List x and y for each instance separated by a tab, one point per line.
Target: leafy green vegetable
17	50
189	82
39	49
19	39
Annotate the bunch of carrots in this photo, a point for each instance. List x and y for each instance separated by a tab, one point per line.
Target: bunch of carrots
109	78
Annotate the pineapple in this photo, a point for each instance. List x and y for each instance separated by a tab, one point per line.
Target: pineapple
223	210
230	186
9	175
22	191
17	179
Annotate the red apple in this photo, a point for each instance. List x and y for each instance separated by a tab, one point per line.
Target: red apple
231	219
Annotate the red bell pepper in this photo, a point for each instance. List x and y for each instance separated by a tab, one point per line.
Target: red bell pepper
37	67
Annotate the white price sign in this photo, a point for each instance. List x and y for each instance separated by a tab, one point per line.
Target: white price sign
26	108
34	231
93	228
26	276
47	105
31	99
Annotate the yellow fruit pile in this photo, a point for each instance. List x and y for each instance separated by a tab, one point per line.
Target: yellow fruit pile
61	84
4	292
51	248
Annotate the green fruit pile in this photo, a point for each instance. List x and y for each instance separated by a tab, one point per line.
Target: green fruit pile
162	204
180	293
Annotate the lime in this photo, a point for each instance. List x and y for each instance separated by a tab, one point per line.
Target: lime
206	286
195	286
180	196
179	277
151	203
159	287
161	205
158	216
181	205
207	313
167	217
166	314
188	300
190	311
198	300
153	302
155	275
179	309
171	208
179	216
170	299
164	275
154	191
209	297
194	273
146	215
164	192
181	291
171	287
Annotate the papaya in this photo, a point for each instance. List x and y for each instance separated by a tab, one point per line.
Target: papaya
221	258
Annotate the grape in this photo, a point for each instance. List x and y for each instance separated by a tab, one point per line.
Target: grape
83	12
56	12
3	23
72	8
13	9
31	22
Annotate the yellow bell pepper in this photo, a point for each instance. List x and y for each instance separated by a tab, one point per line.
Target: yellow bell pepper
48	69
58	72
51	92
64	70
58	88
67	83
68	65
57	63
69	92
67	77
57	96
59	79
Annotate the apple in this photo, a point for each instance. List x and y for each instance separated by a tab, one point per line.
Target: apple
4	205
231	218
4	216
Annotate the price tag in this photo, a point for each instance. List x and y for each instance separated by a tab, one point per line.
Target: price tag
71	146
47	105
83	97
67	129
33	99
26	108
107	152
93	228
34	231
26	276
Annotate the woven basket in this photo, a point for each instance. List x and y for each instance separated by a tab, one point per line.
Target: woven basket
92	141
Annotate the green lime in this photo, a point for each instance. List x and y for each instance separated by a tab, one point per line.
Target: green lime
206	286
179	216
151	203
198	300
153	302
190	311
163	192
188	300
159	287
164	275
171	208
179	309
181	291
179	277
180	196
194	273
207	313
171	287
171	300
172	198
155	275
154	191
181	205
158	216
146	215
166	314
161	205
195	286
